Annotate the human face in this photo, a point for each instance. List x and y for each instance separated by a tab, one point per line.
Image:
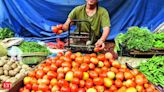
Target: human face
91	2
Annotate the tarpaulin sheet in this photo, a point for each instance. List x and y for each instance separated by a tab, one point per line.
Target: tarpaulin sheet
34	18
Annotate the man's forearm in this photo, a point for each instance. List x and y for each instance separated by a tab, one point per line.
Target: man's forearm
106	31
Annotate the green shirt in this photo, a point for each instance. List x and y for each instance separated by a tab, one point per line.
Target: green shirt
98	21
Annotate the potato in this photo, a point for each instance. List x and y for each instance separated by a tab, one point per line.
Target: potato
4	58
2	63
6	72
5	78
1	71
19	75
12	73
10	63
6	67
14	65
12	80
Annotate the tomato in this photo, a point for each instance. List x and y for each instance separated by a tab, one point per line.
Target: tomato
54	29
45	81
31	74
100	88
104	69
60	26
35	87
113	69
94	60
60	70
60	75
73	56
75	81
65	89
55	88
68	54
84	67
82	83
106	63
103	74
79	59
93	55
132	89
28	86
51	74
66	64
21	89
116	64
120	75
113	88
46	69
93	74
128	75
40	74
118	83
108	82
91	66
81	90
66	69
134	72
33	80
62	82
74	88
67	59
139	88
53	67
43	87
78	74
85	75
53	82
27	80
98	81
101	57
149	89
59	62
139	80
48	61
109	56
96	49
130	83
60	31
88	83
87	59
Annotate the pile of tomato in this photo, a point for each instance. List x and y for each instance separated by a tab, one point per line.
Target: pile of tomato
57	29
74	72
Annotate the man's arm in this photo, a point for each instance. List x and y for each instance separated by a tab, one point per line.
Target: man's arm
105	33
66	24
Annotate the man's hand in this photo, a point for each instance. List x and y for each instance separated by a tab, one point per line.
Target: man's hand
100	44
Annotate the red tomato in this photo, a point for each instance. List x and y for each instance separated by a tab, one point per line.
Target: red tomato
54	29
93	55
98	81
65	89
79	59
62	82
113	69
60	31
43	87
101	57
100	88
104	69
53	67
68	54
91	66
75	81
53	82
55	88
82	83
113	88
28	86
116	64
103	75
98	70
60	70
128	75
66	64
48	61
73	56
84	67
35	87
67	59
60	75
74	88
51	74
45	81
78	74
31	74
134	72
93	74
118	83
94	60
59	62
88	83
96	49
39	74
66	69
139	80
60	26
86	59
120	75
81	90
46	69
106	63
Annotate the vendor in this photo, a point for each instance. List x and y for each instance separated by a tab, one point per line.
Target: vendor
96	15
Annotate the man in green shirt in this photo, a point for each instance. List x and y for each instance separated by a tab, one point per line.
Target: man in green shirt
96	15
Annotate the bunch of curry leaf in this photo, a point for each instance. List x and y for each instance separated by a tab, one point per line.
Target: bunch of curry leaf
136	38
6	33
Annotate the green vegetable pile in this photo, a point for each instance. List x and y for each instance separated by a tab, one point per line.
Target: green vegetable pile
159	40
6	33
136	38
28	47
154	70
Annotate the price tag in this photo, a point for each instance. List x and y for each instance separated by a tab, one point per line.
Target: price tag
6	85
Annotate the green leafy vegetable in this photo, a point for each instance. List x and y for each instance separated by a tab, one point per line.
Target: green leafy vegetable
6	33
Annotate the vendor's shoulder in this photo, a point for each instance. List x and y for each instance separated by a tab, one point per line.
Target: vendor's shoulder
102	9
79	7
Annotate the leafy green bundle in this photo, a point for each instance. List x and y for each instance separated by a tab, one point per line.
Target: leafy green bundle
6	33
